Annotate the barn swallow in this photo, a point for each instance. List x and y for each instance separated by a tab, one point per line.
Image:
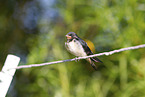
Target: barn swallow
78	47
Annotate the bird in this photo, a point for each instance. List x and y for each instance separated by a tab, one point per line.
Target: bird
78	47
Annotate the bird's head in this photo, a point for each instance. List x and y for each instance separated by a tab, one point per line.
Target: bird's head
71	36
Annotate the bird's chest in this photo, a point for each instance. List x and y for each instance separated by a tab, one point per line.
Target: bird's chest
75	48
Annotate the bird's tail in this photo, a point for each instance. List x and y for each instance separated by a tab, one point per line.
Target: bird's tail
92	64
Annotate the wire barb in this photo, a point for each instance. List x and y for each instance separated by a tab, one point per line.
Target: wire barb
78	58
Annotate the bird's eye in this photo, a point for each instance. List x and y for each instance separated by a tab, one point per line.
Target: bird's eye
70	34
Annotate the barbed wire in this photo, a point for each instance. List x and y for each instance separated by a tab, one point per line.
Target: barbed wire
78	58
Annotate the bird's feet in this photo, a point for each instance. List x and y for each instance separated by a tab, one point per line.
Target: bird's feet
77	59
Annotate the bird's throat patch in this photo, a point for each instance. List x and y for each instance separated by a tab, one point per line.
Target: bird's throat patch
68	37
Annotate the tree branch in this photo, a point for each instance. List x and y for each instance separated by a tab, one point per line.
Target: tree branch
95	55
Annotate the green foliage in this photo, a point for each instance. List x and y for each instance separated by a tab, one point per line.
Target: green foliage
109	24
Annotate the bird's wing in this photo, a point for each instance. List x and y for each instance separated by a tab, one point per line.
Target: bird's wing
88	51
95	59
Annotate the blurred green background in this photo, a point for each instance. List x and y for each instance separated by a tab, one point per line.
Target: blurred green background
35	31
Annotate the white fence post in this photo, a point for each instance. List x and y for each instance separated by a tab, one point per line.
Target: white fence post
6	75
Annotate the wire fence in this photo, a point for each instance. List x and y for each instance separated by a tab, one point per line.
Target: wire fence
78	58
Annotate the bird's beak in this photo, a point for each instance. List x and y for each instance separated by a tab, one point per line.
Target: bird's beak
68	37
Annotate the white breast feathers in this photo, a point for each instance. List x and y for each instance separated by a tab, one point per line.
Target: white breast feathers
75	48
